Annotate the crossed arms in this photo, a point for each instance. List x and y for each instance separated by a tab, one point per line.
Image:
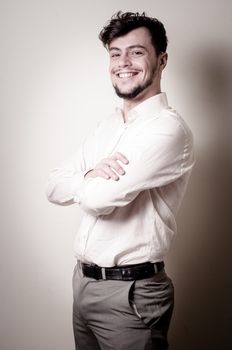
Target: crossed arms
115	181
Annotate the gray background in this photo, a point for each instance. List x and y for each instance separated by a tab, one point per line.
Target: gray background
54	88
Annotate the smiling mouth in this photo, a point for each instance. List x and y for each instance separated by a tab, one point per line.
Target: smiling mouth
126	75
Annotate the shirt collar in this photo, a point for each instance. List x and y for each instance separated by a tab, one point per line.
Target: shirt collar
150	107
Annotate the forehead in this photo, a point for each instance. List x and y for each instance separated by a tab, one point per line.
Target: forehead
139	36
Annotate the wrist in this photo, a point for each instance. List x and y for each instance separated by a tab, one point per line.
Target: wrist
88	174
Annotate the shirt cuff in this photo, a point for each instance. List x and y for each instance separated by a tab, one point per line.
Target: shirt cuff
79	180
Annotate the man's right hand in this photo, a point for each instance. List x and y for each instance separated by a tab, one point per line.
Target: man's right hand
109	168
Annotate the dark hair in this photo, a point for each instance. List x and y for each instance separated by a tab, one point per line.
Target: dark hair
122	23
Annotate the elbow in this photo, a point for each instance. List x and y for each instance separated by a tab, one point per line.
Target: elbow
55	196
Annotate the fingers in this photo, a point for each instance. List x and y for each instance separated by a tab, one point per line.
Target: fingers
109	168
106	166
121	157
102	173
114	165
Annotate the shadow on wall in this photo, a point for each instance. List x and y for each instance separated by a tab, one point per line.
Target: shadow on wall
201	254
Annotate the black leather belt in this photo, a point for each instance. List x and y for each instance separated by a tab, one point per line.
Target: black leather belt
125	273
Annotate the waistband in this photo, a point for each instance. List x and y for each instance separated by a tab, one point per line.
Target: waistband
124	273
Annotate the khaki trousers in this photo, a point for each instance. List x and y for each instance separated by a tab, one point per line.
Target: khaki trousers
121	315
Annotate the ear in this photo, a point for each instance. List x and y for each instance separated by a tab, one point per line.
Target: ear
163	58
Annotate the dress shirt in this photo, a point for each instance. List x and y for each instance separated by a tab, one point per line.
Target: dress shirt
131	220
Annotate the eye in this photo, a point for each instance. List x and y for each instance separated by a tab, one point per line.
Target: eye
114	55
136	53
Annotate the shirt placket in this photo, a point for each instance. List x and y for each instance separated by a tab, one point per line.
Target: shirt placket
116	140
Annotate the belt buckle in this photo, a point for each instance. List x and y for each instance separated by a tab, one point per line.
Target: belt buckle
155	268
103	272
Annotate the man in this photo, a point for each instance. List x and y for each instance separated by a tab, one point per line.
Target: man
129	177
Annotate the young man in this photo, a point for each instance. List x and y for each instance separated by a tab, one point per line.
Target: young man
129	177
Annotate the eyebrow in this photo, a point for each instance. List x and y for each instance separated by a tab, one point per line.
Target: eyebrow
129	47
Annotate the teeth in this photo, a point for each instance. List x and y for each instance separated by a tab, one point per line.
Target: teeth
125	75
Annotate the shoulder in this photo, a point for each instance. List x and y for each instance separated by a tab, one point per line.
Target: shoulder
170	122
166	131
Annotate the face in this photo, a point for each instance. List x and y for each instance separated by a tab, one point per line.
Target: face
135	68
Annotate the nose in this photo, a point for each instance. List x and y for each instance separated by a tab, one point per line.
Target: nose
124	60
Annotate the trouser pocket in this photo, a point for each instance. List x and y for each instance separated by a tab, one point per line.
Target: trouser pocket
152	300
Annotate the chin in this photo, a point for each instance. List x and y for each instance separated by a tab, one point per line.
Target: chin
129	94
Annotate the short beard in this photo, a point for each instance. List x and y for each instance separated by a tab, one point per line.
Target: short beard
135	92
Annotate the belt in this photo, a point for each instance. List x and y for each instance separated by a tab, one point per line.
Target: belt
125	272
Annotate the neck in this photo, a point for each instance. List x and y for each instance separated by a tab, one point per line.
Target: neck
130	104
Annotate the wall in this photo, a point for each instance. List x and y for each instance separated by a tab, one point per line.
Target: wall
53	85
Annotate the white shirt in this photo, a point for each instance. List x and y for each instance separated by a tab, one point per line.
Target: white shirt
132	220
